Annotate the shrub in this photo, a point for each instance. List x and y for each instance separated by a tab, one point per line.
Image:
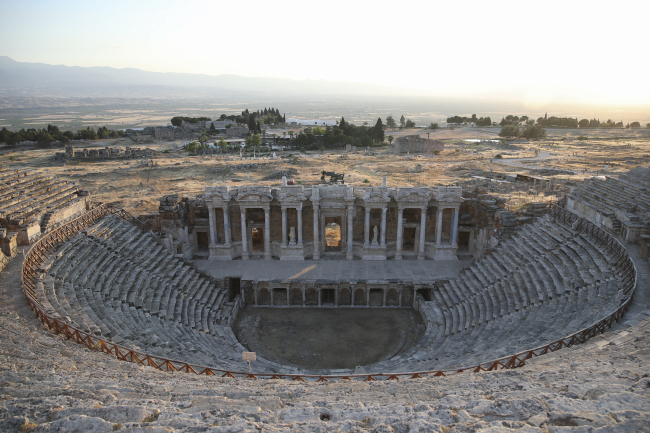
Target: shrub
498	156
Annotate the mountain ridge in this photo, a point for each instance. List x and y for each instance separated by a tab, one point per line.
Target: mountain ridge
25	75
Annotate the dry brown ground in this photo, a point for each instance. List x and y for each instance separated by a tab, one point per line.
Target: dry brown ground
138	188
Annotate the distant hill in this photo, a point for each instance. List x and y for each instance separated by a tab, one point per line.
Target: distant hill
39	79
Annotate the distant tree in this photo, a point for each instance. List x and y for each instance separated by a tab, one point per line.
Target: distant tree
390	122
379	131
647	125
212	128
390	139
342	123
510	132
410	124
534	132
203	138
524	119
635	125
44	138
584	123
434	126
254	140
318	131
69	135
402	122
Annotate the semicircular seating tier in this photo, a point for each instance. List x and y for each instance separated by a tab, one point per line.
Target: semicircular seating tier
113	281
33	202
545	282
619	205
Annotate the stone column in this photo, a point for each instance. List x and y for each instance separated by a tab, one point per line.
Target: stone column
454	229
385	293
284	226
366	229
213	234
288	302
367	297
439	226
316	240
336	296
383	226
400	232
267	234
226	225
423	224
304	300
350	253
271	294
244	236
319	296
299	212
255	291
352	290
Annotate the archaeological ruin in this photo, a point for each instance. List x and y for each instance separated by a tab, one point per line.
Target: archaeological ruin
494	289
416	144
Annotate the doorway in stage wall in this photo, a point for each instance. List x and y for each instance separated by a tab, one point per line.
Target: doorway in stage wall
202	241
327	296
333	234
257	239
233	288
408	245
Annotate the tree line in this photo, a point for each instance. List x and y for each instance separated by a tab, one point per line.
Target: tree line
341	134
459	120
52	134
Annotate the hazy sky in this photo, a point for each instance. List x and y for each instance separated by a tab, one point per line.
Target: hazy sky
586	51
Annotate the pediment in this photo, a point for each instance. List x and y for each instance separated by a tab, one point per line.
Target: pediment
291	197
376	197
450	195
413	195
251	196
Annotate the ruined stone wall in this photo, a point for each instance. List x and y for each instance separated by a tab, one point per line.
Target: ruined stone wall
416	144
76	207
163	133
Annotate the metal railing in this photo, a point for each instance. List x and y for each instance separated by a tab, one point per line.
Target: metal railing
625	270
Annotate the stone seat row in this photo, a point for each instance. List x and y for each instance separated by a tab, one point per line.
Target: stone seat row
543	284
29	186
114	281
10	178
612	194
55	196
619	189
